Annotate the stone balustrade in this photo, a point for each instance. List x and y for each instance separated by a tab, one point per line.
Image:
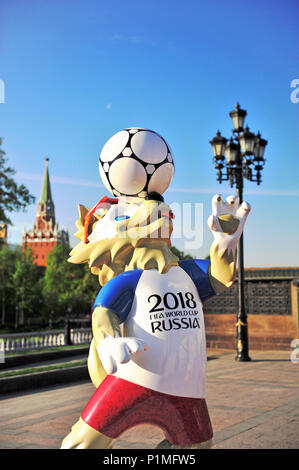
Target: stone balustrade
16	342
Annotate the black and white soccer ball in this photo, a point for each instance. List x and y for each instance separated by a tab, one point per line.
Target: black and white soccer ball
135	162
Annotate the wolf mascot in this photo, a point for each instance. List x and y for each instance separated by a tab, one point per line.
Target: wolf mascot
148	354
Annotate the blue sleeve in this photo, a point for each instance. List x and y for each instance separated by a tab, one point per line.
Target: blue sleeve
118	294
197	269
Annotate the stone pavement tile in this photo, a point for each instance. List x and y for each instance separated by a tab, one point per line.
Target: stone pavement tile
141	437
222	418
56	427
25	438
281	432
35	446
13	405
42	415
287	412
272	382
251	396
258	358
260	374
7	444
45	406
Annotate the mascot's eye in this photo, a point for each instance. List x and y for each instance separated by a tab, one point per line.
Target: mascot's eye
122	217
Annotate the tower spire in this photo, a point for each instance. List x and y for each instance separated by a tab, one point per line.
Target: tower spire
45	234
46	195
45	208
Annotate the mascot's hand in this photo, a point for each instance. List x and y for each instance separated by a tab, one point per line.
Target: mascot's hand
227	222
114	351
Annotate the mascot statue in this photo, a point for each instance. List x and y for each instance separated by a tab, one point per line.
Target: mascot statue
147	357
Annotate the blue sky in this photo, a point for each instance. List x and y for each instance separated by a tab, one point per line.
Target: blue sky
75	72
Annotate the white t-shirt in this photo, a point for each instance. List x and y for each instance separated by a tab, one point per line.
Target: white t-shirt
167	314
165	311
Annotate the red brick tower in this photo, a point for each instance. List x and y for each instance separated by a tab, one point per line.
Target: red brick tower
45	235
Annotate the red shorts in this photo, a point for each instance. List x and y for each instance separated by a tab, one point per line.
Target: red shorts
118	405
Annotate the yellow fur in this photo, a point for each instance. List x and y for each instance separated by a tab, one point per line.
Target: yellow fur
104	321
223	264
222	269
142	242
84	436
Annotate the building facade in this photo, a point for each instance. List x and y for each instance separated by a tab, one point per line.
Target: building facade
45	234
272	306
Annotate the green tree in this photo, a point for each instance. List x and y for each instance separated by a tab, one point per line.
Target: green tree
26	286
13	197
89	287
67	287
180	254
8	258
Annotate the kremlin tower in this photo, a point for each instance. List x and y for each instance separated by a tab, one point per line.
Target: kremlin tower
45	234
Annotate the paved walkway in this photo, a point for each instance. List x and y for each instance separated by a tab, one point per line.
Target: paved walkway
252	405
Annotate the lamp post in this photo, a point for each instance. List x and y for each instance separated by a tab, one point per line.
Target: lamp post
242	156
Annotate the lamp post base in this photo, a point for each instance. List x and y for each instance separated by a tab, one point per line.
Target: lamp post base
242	357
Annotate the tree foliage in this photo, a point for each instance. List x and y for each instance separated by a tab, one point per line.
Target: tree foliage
67	288
26	286
180	254
8	259
13	197
64	289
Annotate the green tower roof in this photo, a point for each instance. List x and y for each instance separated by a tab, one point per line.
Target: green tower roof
46	195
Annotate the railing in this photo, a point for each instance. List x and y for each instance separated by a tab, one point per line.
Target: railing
43	339
81	335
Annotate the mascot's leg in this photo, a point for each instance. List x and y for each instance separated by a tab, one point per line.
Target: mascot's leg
165	444
84	436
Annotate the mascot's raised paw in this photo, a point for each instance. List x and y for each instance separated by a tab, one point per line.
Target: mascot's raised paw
227	222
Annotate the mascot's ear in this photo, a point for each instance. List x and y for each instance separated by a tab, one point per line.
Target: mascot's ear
80	223
91	214
154	196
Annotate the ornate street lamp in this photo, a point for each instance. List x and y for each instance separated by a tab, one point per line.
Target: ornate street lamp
218	146
238	115
242	156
